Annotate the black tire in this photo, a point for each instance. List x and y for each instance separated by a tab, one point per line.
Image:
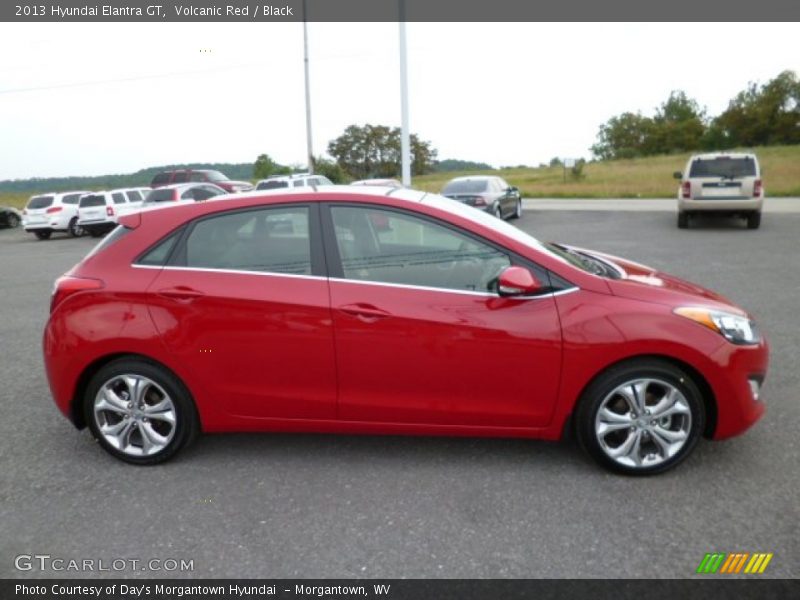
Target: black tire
754	220
75	230
43	235
95	233
683	220
13	221
162	383
498	212
601	393
517	209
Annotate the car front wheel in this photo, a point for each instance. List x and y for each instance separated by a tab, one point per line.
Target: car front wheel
139	412
13	221
640	418
517	209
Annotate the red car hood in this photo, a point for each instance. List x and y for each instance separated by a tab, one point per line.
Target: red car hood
640	282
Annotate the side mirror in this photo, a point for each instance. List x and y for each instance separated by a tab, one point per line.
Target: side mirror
517	281
677	175
512	189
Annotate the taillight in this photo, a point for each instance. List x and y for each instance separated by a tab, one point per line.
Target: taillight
67	285
480	201
687	189
53	209
757	188
109	211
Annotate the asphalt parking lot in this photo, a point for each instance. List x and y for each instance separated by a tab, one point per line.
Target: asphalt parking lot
347	506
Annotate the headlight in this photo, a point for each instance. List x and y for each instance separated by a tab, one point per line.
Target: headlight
735	328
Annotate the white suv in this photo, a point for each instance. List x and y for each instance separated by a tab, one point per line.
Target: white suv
98	212
721	183
46	213
296	180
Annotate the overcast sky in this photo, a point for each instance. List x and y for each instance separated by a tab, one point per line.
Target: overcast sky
90	99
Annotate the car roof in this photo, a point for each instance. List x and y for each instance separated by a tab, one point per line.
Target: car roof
713	155
473	177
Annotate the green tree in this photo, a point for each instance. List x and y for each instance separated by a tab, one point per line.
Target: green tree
374	151
765	115
330	169
624	136
679	125
265	167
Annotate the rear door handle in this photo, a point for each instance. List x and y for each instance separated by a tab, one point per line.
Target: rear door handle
181	293
364	312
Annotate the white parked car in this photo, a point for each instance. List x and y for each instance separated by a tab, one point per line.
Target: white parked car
721	183
46	213
99	212
296	180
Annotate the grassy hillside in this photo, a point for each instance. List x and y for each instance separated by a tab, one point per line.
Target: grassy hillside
636	178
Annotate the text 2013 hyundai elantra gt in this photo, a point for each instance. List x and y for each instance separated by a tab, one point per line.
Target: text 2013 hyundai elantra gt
389	312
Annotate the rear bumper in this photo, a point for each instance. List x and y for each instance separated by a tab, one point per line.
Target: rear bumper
724	205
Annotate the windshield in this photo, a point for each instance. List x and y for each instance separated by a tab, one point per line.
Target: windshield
215	176
466	186
723	166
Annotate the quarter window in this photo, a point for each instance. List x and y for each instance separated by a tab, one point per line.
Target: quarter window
272	240
393	247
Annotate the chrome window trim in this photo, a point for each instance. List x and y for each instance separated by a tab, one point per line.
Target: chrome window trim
354	281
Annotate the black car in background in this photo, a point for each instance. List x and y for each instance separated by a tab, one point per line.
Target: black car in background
488	193
9	217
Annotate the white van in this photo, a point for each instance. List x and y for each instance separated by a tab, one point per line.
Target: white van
46	213
99	212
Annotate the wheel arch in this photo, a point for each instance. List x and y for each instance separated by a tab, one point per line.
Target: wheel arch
707	393
76	408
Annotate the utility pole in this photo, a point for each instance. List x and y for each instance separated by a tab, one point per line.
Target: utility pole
405	137
309	145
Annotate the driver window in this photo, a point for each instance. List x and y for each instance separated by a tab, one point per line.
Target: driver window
393	247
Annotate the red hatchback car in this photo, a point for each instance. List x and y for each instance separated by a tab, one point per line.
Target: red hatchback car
389	312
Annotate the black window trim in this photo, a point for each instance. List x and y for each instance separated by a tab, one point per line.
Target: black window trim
555	282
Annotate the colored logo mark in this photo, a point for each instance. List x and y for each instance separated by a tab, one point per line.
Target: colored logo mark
735	562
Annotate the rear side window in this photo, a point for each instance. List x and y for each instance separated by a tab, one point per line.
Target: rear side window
157	256
119	197
723	166
270	240
180	177
160	179
71	198
133	196
40	202
161	195
92	200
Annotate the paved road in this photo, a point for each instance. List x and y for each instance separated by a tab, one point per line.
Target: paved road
342	506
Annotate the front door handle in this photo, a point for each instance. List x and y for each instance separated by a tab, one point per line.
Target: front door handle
364	312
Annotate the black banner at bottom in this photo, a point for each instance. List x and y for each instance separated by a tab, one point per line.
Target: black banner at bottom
396	589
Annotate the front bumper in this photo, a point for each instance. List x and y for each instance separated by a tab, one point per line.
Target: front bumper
737	387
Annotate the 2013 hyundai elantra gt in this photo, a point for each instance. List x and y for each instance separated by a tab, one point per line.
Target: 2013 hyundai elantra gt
389	311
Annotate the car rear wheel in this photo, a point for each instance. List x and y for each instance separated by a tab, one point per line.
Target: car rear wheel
498	212
95	233
683	220
43	235
139	412
75	230
640	418
754	220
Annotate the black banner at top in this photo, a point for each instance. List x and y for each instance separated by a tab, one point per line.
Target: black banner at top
397	10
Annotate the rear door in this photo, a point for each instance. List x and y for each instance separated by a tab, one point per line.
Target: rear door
244	302
421	337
